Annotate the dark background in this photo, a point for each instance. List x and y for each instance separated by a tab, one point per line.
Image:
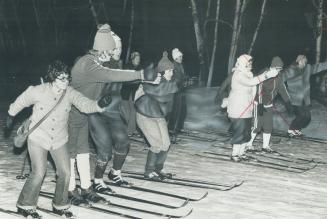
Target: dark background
159	25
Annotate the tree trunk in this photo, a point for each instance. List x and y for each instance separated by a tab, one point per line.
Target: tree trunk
94	13
263	8
205	34
319	30
234	36
199	41
131	29
239	26
213	55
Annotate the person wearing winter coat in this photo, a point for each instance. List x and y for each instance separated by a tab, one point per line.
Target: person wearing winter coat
127	93
177	116
50	136
89	77
297	77
263	111
240	103
109	132
153	103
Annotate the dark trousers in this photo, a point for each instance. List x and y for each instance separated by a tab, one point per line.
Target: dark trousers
108	134
177	116
241	130
30	192
302	117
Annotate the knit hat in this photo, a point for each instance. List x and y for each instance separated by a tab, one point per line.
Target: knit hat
164	63
103	40
243	60
277	62
176	53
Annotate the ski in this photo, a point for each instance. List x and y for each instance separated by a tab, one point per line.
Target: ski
275	155
187	182
256	159
301	138
185	179
10	212
142	189
183	183
50	195
144	200
47	211
225	157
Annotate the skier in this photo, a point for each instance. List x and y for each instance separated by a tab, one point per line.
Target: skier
89	77
50	136
240	103
153	103
297	76
178	114
263	113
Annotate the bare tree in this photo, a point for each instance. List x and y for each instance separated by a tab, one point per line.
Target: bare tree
131	29
213	55
234	37
199	41
263	8
319	29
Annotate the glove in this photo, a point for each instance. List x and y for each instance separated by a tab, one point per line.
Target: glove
289	107
9	126
104	101
273	72
261	109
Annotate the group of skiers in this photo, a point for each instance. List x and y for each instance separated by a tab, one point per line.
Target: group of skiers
88	107
250	100
101	102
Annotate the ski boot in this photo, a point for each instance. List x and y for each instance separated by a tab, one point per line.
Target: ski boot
116	177
76	199
101	187
65	213
154	176
91	196
164	175
235	158
268	150
31	213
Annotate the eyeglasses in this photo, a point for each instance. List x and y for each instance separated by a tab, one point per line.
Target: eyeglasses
64	78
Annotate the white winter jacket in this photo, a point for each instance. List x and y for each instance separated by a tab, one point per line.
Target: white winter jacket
242	93
52	133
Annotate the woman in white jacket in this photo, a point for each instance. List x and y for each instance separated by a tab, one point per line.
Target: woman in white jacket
241	102
50	136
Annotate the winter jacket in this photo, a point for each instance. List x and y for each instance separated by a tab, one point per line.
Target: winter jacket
241	96
157	100
53	131
113	89
89	77
298	82
179	74
269	89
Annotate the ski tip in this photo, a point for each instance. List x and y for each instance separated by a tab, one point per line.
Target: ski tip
184	203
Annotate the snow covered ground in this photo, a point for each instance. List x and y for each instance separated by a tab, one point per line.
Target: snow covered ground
266	193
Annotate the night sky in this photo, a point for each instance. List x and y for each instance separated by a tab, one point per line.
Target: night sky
160	25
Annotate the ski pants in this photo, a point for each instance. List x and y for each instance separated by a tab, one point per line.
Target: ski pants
178	114
263	122
108	134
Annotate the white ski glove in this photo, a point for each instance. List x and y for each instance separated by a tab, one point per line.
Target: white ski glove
224	103
272	72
